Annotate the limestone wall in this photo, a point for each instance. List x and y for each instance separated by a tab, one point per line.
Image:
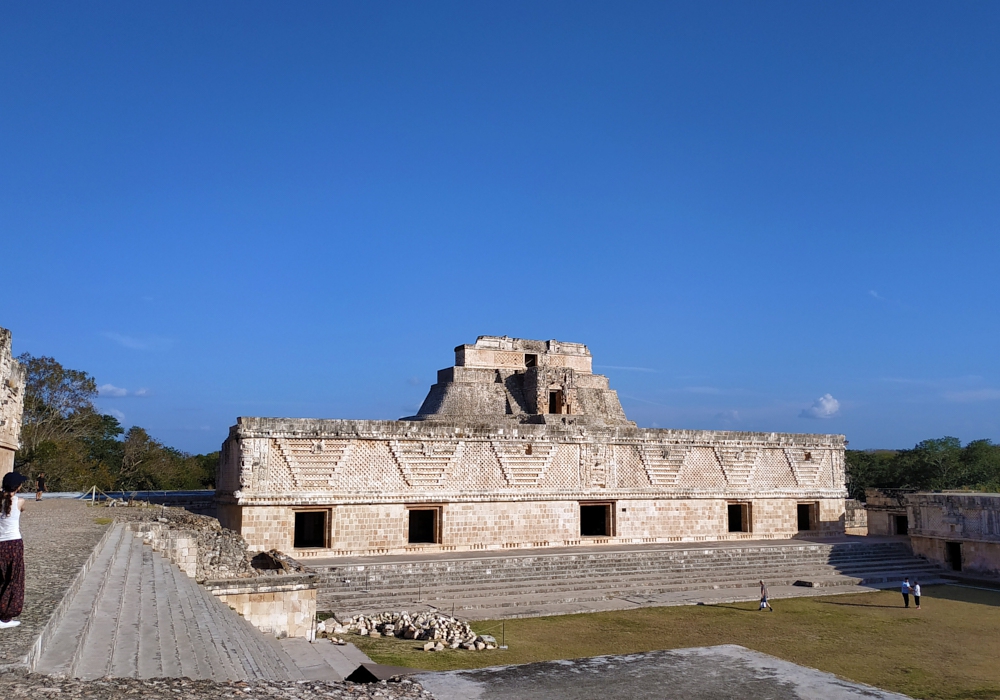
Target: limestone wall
283	609
12	380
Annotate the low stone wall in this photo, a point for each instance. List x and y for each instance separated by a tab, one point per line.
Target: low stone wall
284	607
855	517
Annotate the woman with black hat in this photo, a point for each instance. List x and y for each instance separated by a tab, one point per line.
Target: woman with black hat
11	551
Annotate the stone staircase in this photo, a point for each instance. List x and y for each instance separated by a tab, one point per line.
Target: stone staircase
134	614
539	583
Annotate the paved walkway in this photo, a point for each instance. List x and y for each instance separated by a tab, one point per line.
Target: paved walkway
705	673
59	536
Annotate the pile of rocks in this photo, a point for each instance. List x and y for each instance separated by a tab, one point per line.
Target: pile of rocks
440	631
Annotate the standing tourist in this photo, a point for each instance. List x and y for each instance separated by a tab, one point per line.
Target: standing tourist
11	551
916	593
905	590
40	479
763	598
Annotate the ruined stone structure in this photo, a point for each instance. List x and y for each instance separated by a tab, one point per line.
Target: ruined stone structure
518	445
959	529
12	379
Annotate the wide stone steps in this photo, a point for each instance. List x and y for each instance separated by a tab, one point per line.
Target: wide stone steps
550	579
136	615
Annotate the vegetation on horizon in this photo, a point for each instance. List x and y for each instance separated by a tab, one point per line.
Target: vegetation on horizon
932	465
64	435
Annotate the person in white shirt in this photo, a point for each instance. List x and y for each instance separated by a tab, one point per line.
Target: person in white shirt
11	551
916	593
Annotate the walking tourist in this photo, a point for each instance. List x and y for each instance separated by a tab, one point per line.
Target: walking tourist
40	486
916	593
11	551
763	598
905	590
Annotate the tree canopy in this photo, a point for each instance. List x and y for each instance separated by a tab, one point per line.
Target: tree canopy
64	435
931	465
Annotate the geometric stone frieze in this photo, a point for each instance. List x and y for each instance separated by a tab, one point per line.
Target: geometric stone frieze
524	463
806	464
738	463
663	462
314	463
426	462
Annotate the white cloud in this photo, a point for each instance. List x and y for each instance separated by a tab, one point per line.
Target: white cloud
117	414
110	390
141	392
973	395
875	295
728	416
824	407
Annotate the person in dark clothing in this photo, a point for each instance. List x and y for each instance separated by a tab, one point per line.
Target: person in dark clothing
40	486
905	590
11	551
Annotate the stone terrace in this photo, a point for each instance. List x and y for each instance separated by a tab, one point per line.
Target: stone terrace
588	579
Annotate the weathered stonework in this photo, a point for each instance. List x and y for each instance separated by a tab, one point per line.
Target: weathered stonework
12	379
965	526
508	445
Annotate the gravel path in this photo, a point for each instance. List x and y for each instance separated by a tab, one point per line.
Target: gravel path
18	685
58	535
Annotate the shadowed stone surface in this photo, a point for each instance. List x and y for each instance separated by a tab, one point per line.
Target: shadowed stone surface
59	536
706	673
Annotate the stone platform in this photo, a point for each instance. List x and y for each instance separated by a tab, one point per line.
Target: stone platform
707	673
590	579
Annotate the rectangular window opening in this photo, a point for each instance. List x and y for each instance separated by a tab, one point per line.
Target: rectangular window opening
739	517
953	550
597	519
556	401
310	529
530	360
424	526
902	525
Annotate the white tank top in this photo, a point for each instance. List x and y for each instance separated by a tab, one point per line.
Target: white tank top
10	526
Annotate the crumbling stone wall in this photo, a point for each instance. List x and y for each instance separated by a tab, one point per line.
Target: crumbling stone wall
971	520
12	380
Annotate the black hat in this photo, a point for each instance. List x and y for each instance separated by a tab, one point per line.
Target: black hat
12	480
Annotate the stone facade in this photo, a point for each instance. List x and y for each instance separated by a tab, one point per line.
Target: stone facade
518	445
960	530
12	380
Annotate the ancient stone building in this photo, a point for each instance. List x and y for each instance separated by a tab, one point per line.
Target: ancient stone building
519	444
12	378
959	529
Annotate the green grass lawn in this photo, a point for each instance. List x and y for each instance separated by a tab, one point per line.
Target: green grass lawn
949	649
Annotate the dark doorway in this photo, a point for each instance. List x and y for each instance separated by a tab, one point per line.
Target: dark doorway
739	517
902	525
310	529
530	360
595	520
805	516
953	551
556	401
423	526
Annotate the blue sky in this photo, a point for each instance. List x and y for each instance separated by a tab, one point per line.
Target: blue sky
759	216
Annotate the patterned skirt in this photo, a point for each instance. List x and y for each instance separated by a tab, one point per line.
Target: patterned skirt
11	579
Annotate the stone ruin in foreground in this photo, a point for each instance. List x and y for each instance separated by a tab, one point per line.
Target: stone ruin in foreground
518	445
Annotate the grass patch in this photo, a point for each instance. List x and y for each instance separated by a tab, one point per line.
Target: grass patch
948	650
104	521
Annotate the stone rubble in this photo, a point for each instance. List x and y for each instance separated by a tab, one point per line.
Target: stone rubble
20	685
439	630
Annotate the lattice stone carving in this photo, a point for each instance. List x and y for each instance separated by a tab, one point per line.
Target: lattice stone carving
663	462
426	462
315	464
508	359
524	463
807	465
738	463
